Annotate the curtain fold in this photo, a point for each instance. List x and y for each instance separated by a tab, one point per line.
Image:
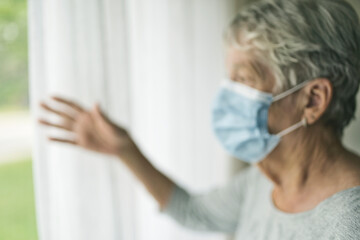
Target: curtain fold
154	67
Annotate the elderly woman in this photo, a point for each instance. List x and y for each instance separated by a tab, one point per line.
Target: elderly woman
293	73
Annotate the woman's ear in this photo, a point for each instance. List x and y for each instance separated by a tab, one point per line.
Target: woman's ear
319	93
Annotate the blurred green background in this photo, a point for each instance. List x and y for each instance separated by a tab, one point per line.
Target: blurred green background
17	208
17	212
13	55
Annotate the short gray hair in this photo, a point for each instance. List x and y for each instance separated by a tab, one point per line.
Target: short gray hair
306	39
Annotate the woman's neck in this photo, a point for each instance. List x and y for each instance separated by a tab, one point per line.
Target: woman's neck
310	162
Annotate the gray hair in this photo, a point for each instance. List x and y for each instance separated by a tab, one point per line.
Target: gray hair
305	39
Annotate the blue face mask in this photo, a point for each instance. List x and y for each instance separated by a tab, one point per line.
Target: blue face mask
240	118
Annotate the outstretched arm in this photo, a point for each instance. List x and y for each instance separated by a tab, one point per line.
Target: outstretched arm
217	210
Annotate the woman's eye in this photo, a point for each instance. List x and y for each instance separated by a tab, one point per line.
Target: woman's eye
245	80
241	79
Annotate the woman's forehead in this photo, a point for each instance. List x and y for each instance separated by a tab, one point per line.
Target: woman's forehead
239	60
249	64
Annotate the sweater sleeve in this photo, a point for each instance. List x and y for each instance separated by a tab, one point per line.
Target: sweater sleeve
216	210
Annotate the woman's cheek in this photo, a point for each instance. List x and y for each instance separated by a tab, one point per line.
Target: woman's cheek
272	123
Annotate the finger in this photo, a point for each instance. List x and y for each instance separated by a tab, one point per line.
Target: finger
102	115
44	122
60	113
69	103
102	124
105	121
73	142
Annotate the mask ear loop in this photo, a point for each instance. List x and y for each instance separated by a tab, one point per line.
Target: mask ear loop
290	91
305	122
302	123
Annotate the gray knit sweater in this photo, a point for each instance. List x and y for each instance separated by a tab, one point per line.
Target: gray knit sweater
244	208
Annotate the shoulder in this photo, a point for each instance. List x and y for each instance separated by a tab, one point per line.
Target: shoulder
343	213
349	212
346	203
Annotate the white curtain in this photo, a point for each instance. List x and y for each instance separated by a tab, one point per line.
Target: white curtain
154	67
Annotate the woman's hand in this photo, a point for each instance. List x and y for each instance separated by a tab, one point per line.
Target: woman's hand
93	129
